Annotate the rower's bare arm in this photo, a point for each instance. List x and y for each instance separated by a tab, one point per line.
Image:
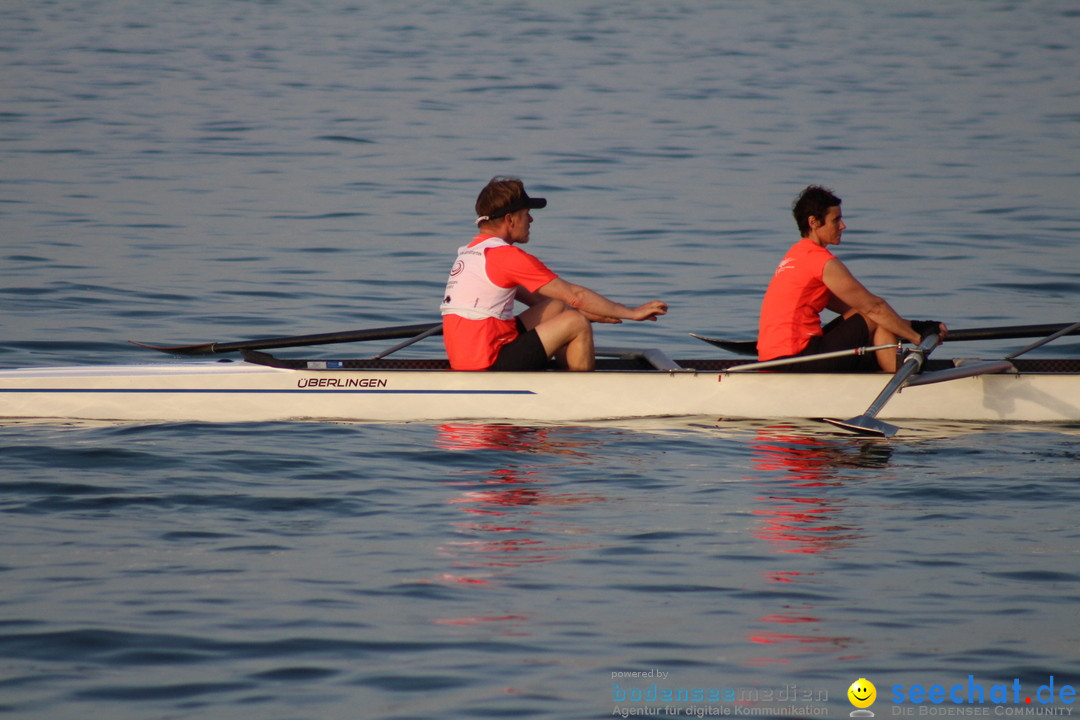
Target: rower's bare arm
593	317
838	306
527	298
534	298
843	285
594	305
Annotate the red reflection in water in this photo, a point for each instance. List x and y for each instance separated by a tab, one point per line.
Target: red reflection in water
508	625
796	518
803	525
802	641
784	576
510	514
803	514
461	579
790	619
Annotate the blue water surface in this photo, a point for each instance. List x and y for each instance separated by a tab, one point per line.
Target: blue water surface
193	171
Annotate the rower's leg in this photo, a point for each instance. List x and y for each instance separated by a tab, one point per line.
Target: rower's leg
569	337
565	332
886	359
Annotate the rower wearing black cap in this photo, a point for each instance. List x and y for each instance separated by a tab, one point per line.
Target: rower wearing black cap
491	272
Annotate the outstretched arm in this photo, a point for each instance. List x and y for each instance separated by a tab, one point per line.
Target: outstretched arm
534	298
597	307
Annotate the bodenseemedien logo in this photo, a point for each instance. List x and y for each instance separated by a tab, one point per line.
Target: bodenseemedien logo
862	695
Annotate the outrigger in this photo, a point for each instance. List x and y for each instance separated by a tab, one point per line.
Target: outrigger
628	383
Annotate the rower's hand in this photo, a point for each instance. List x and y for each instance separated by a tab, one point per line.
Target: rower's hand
650	310
925	327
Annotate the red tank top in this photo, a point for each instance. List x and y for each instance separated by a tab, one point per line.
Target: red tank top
791	310
478	304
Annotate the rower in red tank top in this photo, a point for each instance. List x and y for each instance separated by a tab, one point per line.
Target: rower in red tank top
478	307
809	280
479	328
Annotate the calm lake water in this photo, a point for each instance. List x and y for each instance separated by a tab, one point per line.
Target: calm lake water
191	171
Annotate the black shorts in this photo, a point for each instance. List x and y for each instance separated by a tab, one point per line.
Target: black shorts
525	352
840	334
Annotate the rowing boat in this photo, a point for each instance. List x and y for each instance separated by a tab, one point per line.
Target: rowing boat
627	384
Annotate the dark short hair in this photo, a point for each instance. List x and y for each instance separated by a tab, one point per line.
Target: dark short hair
502	196
814	201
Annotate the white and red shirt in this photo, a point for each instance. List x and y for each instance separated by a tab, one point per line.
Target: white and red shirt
791	310
478	305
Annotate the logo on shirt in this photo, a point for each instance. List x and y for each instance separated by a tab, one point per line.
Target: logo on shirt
785	264
458	267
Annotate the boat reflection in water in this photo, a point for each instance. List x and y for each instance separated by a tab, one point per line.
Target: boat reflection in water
509	521
804	511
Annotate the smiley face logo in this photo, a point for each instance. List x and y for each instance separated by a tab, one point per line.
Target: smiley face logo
862	693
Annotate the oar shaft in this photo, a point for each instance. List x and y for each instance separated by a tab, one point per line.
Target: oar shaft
213	348
911	366
1039	343
1005	332
1010	332
430	331
809	358
387	333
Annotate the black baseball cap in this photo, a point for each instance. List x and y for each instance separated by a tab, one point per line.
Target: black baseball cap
520	200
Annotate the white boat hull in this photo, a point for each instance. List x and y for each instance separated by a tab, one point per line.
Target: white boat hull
246	392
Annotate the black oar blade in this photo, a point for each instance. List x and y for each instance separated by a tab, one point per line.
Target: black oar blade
199	349
739	347
865	425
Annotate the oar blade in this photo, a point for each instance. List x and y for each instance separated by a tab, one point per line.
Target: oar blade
865	425
199	349
739	347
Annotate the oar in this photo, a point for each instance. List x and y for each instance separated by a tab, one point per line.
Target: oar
867	423
1005	332
430	331
213	348
739	347
809	358
1039	343
1010	332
